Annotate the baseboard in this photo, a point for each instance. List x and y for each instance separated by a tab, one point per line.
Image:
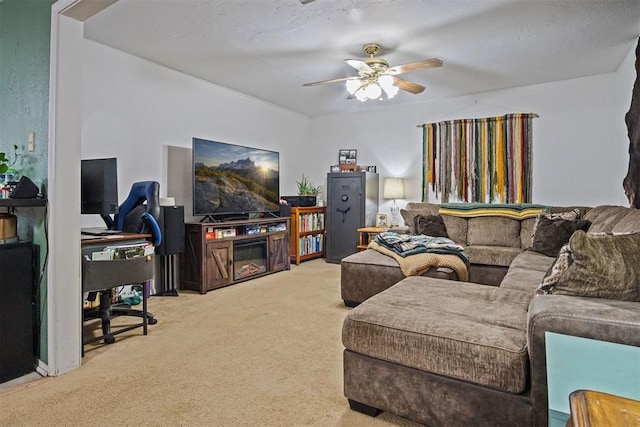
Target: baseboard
42	368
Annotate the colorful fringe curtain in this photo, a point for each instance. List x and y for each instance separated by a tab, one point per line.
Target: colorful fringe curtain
479	160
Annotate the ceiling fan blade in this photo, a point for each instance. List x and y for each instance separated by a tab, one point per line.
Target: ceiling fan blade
358	64
414	66
322	82
414	88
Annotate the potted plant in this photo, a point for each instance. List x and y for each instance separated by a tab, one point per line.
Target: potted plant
6	173
307	192
5	162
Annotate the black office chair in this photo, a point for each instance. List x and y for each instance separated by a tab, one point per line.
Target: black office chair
134	216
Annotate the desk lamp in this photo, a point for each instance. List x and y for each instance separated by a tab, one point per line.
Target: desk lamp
393	189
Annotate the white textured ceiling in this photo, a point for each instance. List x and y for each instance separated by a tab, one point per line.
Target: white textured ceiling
269	48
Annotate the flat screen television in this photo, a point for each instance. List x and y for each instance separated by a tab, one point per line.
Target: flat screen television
234	181
99	186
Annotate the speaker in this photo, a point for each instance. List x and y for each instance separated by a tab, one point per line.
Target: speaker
285	210
171	222
24	189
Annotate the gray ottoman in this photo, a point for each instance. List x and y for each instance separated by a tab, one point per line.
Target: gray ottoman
441	353
369	272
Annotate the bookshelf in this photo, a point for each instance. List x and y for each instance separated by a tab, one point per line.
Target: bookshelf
307	233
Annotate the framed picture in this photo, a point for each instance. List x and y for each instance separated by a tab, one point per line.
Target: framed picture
382	220
347	156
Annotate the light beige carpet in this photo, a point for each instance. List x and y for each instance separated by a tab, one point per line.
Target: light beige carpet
266	352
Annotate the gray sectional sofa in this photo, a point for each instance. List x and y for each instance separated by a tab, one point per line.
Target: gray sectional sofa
449	353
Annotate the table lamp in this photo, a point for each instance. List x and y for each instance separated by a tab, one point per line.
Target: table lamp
393	189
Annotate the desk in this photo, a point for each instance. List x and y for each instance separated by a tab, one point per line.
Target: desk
102	276
593	408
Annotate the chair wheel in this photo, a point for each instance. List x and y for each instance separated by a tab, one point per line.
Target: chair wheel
152	321
109	339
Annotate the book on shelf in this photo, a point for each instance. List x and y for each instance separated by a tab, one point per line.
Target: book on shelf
311	221
311	244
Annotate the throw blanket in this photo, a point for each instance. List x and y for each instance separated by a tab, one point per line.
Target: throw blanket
410	244
515	211
417	264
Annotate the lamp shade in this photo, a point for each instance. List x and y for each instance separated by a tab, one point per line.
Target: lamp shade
393	188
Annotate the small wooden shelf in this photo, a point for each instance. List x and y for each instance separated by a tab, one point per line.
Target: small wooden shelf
307	233
366	234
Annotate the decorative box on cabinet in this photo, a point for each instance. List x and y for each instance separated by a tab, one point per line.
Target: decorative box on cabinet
352	203
307	233
223	253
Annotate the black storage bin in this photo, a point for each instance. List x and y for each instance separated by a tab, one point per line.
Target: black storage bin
300	201
105	274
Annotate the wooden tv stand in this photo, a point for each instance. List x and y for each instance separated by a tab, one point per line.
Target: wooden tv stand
219	254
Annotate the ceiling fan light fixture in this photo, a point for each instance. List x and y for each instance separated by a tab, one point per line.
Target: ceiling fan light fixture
361	96
390	91
353	85
386	82
373	90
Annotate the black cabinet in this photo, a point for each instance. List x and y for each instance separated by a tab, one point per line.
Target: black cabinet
17	356
352	203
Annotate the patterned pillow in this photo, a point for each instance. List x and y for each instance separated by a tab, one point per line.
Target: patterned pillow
597	266
551	234
569	216
560	265
430	225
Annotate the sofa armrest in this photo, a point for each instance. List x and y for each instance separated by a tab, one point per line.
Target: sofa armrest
594	318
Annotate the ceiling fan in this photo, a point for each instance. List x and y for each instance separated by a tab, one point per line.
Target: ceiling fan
375	76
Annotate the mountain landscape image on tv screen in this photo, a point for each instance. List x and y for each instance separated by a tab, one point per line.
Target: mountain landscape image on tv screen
232	179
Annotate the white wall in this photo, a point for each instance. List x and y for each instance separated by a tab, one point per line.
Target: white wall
64	290
132	107
146	115
580	149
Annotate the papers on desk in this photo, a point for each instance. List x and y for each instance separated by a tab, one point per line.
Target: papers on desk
105	255
128	251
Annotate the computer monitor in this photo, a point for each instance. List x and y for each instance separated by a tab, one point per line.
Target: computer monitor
99	186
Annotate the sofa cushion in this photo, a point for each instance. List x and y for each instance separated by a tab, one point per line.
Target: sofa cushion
492	255
494	231
369	272
456	228
430	225
604	218
630	223
526	232
597	266
526	271
550	234
446	327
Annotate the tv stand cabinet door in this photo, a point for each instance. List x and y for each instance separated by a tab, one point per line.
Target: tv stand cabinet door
279	258
218	265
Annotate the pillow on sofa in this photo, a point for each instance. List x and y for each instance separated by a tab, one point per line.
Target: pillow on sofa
598	266
409	215
551	234
430	225
560	265
568	215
